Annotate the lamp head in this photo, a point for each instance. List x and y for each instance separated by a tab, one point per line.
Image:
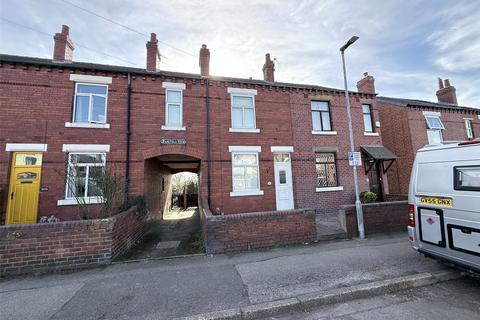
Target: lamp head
349	42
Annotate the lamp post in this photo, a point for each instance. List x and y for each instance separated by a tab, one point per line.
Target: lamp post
358	205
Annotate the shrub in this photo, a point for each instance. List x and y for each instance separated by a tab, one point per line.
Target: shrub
368	197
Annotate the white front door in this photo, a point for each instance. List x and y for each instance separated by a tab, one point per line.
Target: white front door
283	181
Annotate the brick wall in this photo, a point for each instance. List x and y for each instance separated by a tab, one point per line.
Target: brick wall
404	131
305	144
381	217
246	231
157	198
68	245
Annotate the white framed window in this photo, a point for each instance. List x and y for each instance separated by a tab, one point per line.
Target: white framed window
321	120
90	103
173	105
434	128
434	123
245	171
434	136
83	170
367	118
469	128
85	162
243	110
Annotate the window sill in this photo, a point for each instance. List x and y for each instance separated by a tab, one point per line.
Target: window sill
371	134
87	125
244	130
174	128
328	189
73	202
246	193
327	133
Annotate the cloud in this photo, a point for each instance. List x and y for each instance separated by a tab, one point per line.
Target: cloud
402	46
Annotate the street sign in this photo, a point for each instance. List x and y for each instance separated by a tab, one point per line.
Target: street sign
172	141
354	159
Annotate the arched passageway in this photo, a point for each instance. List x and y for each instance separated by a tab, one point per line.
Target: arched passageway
171	188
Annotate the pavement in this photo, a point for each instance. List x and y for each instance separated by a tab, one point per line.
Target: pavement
181	287
457	299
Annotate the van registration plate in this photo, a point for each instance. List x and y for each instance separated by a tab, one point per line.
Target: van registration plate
443	202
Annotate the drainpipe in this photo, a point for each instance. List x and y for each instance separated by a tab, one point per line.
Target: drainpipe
127	137
207	104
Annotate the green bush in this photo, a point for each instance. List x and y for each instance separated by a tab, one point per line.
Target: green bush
368	197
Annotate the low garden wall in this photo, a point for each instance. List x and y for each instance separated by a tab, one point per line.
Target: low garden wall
246	231
395	197
380	217
68	245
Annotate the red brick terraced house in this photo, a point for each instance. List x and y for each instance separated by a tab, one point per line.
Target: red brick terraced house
410	124
257	145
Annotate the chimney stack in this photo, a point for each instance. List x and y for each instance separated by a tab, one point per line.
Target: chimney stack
268	69
446	93
153	56
366	84
204	61
63	48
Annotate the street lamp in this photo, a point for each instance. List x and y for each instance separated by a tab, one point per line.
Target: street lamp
358	205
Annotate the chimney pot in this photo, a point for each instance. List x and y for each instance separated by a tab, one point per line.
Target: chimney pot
63	46
204	61
366	84
153	56
440	83
446	93
268	69
65	30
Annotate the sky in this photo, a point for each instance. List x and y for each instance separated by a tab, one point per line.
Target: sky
405	45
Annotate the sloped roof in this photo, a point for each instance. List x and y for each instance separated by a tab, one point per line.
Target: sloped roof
422	103
140	71
378	152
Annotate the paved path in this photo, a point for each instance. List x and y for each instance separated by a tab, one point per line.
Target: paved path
178	226
164	289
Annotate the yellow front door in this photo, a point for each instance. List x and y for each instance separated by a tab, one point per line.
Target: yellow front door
24	188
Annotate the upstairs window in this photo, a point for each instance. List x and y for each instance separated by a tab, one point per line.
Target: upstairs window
435	127
173	106
434	123
243	112
90	103
321	116
367	118
469	128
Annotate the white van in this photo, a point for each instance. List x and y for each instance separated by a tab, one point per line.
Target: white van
444	203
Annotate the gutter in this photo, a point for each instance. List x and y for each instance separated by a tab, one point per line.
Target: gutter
127	137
